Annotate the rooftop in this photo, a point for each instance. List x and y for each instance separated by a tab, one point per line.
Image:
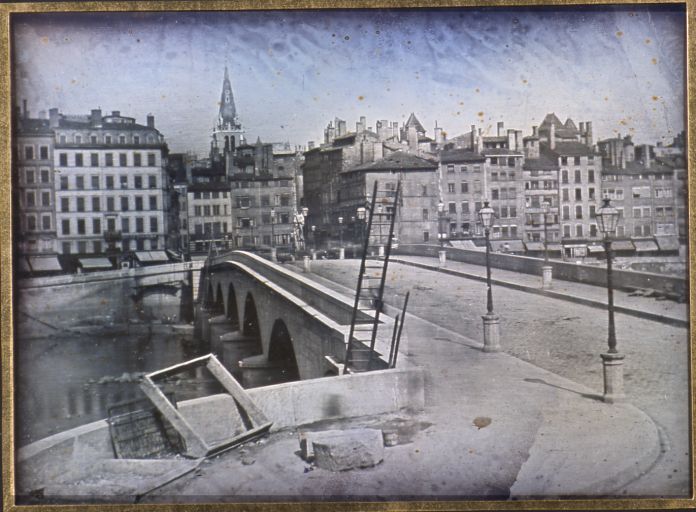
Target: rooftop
460	155
398	161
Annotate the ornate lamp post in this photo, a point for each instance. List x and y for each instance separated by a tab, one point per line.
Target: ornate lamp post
607	220
546	269
314	242
341	251
491	321
305	212
441	232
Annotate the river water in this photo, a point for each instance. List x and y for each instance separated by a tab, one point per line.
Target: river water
68	379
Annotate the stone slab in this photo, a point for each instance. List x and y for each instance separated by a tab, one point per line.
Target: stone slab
352	449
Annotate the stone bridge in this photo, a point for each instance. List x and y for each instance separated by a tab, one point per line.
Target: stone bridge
293	323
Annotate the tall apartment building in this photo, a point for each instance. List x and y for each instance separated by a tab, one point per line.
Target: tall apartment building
112	191
33	179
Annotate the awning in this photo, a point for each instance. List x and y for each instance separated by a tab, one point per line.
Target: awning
44	264
465	244
151	256
667	242
507	245
534	246
22	265
95	263
622	245
645	245
555	247
595	248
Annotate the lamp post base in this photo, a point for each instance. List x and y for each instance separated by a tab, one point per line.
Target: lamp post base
443	258
546	276
341	254
314	255
306	265
491	333
274	254
613	378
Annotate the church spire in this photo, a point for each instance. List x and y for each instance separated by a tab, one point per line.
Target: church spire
228	113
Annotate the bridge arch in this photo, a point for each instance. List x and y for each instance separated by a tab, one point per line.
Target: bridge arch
282	352
218	304
251	326
232	309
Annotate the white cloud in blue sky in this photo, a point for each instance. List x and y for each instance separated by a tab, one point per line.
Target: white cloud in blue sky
294	71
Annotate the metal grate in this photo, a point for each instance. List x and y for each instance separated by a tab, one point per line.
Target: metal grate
139	431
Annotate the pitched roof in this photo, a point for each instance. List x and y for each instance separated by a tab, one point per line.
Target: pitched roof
460	155
413	121
635	167
570	125
544	163
571	148
397	161
500	151
33	126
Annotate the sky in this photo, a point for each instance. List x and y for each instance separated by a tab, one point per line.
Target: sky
623	68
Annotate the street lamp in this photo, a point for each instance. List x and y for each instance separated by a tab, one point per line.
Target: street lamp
305	212
361	213
607	220
491	321
272	227
440	216
314	238
340	231
546	269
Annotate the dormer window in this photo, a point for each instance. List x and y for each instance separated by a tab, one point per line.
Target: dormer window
78	139
107	139
136	139
121	139
93	139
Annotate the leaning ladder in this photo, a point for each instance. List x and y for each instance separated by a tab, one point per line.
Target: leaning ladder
360	352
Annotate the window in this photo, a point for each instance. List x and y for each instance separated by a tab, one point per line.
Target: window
125	224
124	181
45	176
265	200
110	182
206	210
564	177
80	204
464	187
593	230
64	204
512	193
139	225
138	203
243	202
138	181
137	159
153	202
31	223
110	207
111	224
593	211
29	152
646	211
591	193
590	176
495	193
494	176
576	160
31	199
578	230
94	159
153	224
93	139
477	186
45	199
78	160
80	182
566	231
564	160
136	139
43	152
107	139
97	246
124	203
578	194
46	222
81	226
566	213
109	159
78	139
123	159
65	226
578	176
66	247
450	188
503	212
216	209
63	159
450	168
465	207
30	176
566	195
513	211
197	211
424	190
96	204
663	193
641	192
121	139
96	226
463	168
284	200
578	212
426	213
95	182
453	207
426	236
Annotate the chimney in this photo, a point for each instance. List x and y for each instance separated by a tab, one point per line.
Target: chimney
378	151
582	128
95	117
438	134
116	113
150	121
25	112
479	142
473	137
623	161
53	118
412	138
511	140
552	136
518	140
588	130
535	131
501	128
647	157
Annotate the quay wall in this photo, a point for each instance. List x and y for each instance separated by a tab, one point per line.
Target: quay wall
622	279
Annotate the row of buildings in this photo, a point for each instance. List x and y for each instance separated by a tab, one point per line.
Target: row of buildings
104	185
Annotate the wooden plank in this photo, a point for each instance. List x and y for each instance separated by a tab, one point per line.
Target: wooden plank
178	368
195	446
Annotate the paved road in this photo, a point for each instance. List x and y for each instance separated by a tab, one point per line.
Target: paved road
566	339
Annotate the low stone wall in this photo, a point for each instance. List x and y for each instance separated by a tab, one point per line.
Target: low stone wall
622	279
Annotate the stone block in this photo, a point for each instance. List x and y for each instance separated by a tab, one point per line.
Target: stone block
355	448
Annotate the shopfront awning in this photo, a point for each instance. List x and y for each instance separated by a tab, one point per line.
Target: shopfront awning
645	245
95	264
534	246
151	256
22	265
507	245
595	248
45	264
466	244
622	245
667	242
